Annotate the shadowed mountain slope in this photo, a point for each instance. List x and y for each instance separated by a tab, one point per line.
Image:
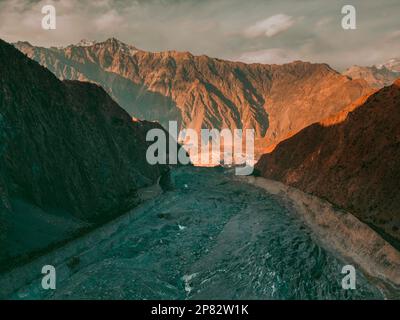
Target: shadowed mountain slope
66	146
352	160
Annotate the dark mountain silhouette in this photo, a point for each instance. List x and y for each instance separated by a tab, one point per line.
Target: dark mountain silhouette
66	146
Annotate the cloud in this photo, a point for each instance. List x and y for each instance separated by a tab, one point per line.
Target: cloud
108	20
270	27
394	35
324	21
227	29
268	56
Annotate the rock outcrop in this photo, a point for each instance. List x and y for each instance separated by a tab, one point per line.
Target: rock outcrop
352	160
203	92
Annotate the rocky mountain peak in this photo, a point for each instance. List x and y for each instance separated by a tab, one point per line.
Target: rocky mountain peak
86	43
114	45
115	42
23	44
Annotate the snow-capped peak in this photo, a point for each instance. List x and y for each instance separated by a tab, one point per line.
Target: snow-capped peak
393	64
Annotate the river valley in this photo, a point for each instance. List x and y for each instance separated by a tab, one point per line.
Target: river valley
210	237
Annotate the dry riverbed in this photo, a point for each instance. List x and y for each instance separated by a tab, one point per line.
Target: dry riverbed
210	237
343	233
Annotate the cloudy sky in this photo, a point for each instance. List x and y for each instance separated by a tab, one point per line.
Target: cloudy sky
252	31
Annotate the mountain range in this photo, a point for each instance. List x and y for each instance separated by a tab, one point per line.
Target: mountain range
202	92
67	144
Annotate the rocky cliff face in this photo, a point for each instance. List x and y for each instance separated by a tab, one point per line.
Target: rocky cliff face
351	159
202	92
67	145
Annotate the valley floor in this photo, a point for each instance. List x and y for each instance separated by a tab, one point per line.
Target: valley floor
211	237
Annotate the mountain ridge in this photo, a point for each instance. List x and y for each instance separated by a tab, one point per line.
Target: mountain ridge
351	160
69	157
203	92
